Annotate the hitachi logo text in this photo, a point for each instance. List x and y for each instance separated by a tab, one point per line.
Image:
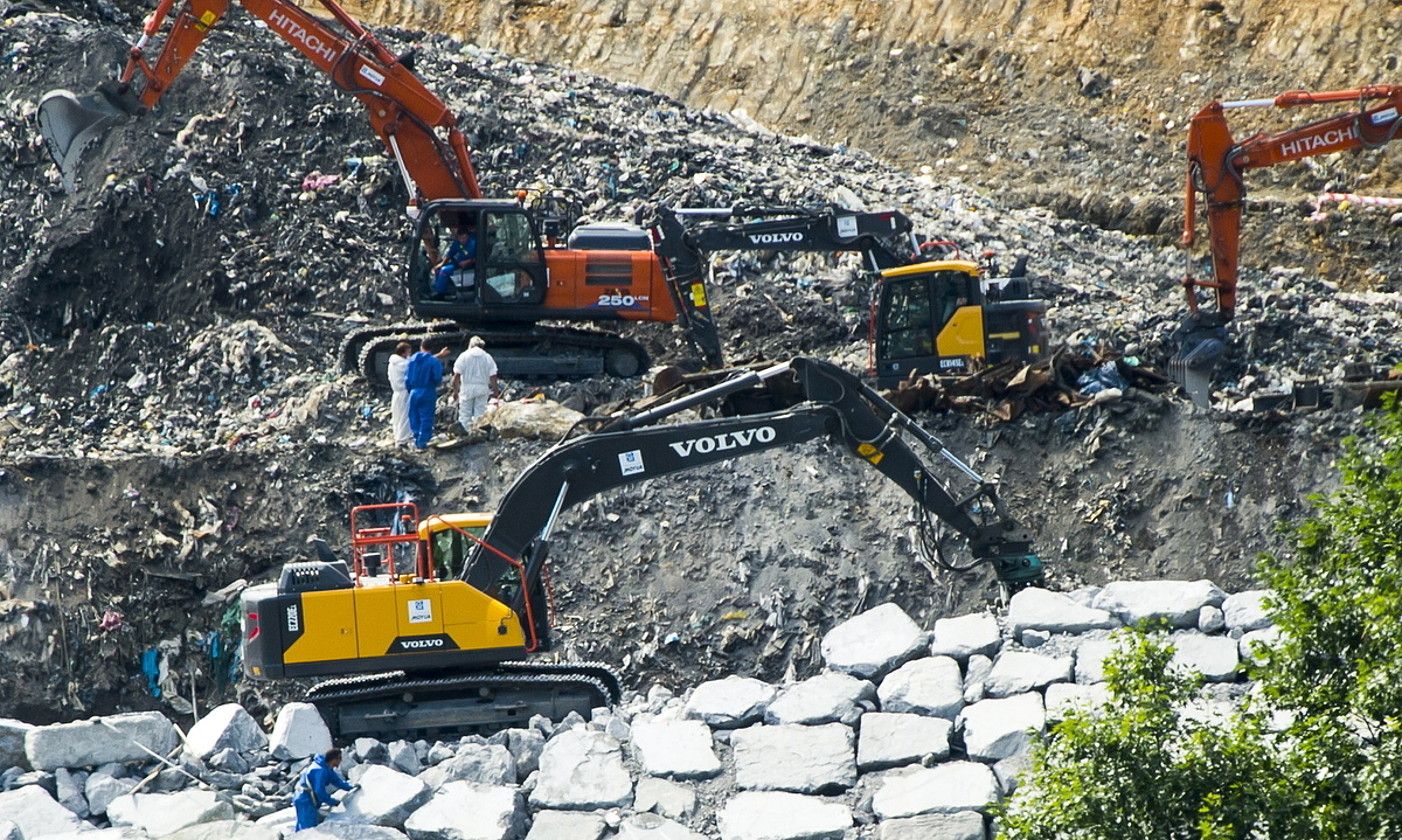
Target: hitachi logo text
299	33
1317	141
721	443
417	644
775	238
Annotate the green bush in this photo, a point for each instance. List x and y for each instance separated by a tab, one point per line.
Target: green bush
1140	768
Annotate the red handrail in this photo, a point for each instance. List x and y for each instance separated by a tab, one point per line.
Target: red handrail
512	561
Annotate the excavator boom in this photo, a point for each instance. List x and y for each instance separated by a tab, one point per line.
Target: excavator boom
418	130
1216	164
456	619
797	401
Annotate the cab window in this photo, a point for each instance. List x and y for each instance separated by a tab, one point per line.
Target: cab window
451	550
908	325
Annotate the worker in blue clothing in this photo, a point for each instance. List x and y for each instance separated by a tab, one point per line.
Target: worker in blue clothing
421	377
461	256
314	788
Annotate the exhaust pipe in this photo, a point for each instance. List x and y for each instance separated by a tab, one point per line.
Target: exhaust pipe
70	123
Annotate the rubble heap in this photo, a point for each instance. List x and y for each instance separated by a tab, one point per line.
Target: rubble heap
906	733
194	289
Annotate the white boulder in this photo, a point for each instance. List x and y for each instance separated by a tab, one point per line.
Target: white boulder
159	814
783	816
654	827
229	726
952	786
1215	657
872	643
1090	659
299	732
566	825
799	759
930	686
1040	609
966	635
483	764
1246	611
468	811
828	697
996	729
669	799
957	825
582	770
36	813
1174	601
730	703
1017	672
892	739
677	748
95	741
386	797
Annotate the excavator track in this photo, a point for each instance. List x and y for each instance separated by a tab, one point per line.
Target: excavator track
529	352
354	344
396	704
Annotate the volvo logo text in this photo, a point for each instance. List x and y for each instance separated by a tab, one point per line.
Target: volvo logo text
723	442
420	644
775	238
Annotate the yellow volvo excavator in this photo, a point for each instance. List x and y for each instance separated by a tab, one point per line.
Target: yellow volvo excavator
432	624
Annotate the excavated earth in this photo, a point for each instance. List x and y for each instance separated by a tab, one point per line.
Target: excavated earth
172	419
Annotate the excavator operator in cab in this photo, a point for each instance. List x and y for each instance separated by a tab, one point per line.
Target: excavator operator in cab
461	256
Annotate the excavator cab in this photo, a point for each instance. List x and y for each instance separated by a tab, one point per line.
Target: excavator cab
937	317
506	261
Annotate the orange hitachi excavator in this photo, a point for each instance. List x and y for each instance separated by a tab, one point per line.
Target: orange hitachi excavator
517	273
1215	166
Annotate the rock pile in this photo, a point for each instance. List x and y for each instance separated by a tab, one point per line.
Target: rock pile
906	734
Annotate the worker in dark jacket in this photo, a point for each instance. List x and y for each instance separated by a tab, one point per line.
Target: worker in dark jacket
421	377
314	788
461	256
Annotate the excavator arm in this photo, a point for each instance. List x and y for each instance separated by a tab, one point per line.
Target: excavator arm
418	130
684	249
806	399
1216	164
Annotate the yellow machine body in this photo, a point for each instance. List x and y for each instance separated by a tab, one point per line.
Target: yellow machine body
319	619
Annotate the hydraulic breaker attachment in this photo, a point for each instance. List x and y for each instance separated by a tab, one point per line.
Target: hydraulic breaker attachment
1202	342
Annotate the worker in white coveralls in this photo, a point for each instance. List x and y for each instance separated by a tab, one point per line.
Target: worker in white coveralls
474	381
399	401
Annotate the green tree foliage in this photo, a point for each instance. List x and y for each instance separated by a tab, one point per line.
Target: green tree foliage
1338	665
1140	767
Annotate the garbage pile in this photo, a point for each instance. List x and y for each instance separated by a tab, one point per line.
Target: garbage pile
257	198
173	419
1077	378
904	733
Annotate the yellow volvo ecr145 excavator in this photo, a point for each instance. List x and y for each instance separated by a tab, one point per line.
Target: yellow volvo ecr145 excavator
449	610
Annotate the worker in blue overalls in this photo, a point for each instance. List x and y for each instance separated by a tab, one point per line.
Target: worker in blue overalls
421	377
314	788
461	256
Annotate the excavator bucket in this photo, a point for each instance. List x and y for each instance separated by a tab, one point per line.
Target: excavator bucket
70	123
